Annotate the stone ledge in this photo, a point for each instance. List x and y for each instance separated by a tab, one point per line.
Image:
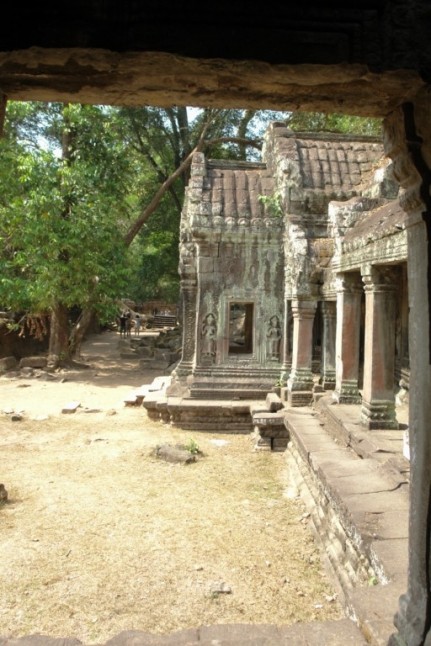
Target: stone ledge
343	632
359	516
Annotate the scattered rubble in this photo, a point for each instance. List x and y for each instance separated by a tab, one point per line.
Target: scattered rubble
71	407
3	494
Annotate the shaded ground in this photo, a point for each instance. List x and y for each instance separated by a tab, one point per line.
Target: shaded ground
100	536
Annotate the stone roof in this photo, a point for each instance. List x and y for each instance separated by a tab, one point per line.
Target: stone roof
383	221
324	165
234	188
336	164
315	168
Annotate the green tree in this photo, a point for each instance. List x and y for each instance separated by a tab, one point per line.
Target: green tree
79	185
331	122
61	205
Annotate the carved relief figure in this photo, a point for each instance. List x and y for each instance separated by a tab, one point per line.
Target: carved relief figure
209	337
273	336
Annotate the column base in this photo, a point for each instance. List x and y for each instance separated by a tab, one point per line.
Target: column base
328	380
347	393
183	369
379	415
299	398
300	388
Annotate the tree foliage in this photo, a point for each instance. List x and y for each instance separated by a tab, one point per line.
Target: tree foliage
62	203
332	122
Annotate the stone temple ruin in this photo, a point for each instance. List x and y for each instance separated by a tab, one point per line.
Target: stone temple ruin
367	58
293	273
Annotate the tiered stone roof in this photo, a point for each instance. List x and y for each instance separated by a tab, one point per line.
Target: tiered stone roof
337	164
233	189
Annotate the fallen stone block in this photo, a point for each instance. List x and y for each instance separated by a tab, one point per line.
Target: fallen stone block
3	494
33	362
174	454
70	407
153	364
131	400
145	352
273	402
159	383
258	408
8	363
128	355
220	588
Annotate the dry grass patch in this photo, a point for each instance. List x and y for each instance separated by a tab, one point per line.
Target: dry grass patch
100	536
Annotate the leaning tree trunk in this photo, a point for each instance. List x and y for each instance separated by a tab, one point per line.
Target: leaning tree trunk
58	352
80	329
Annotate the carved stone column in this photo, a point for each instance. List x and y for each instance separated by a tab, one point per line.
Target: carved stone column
188	290
407	138
187	271
349	292
287	350
300	382
378	398
329	316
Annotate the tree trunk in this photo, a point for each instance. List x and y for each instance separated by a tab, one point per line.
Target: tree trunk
79	331
3	103
58	352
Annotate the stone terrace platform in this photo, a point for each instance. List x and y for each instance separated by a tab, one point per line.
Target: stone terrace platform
354	484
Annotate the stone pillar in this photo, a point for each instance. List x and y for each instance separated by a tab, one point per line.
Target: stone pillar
300	382
378	398
407	139
188	291
349	292
287	350
329	316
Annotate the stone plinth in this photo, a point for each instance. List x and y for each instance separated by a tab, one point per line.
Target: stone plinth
270	431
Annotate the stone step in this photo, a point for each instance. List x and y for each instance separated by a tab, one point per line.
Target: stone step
164	320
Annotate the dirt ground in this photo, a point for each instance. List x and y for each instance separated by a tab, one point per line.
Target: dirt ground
100	536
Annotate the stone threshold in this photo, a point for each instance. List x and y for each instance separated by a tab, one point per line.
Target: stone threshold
318	633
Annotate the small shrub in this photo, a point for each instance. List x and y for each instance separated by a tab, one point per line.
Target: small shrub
192	446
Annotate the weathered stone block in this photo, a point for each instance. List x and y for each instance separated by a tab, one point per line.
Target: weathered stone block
8	363
273	402
175	454
33	362
71	407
